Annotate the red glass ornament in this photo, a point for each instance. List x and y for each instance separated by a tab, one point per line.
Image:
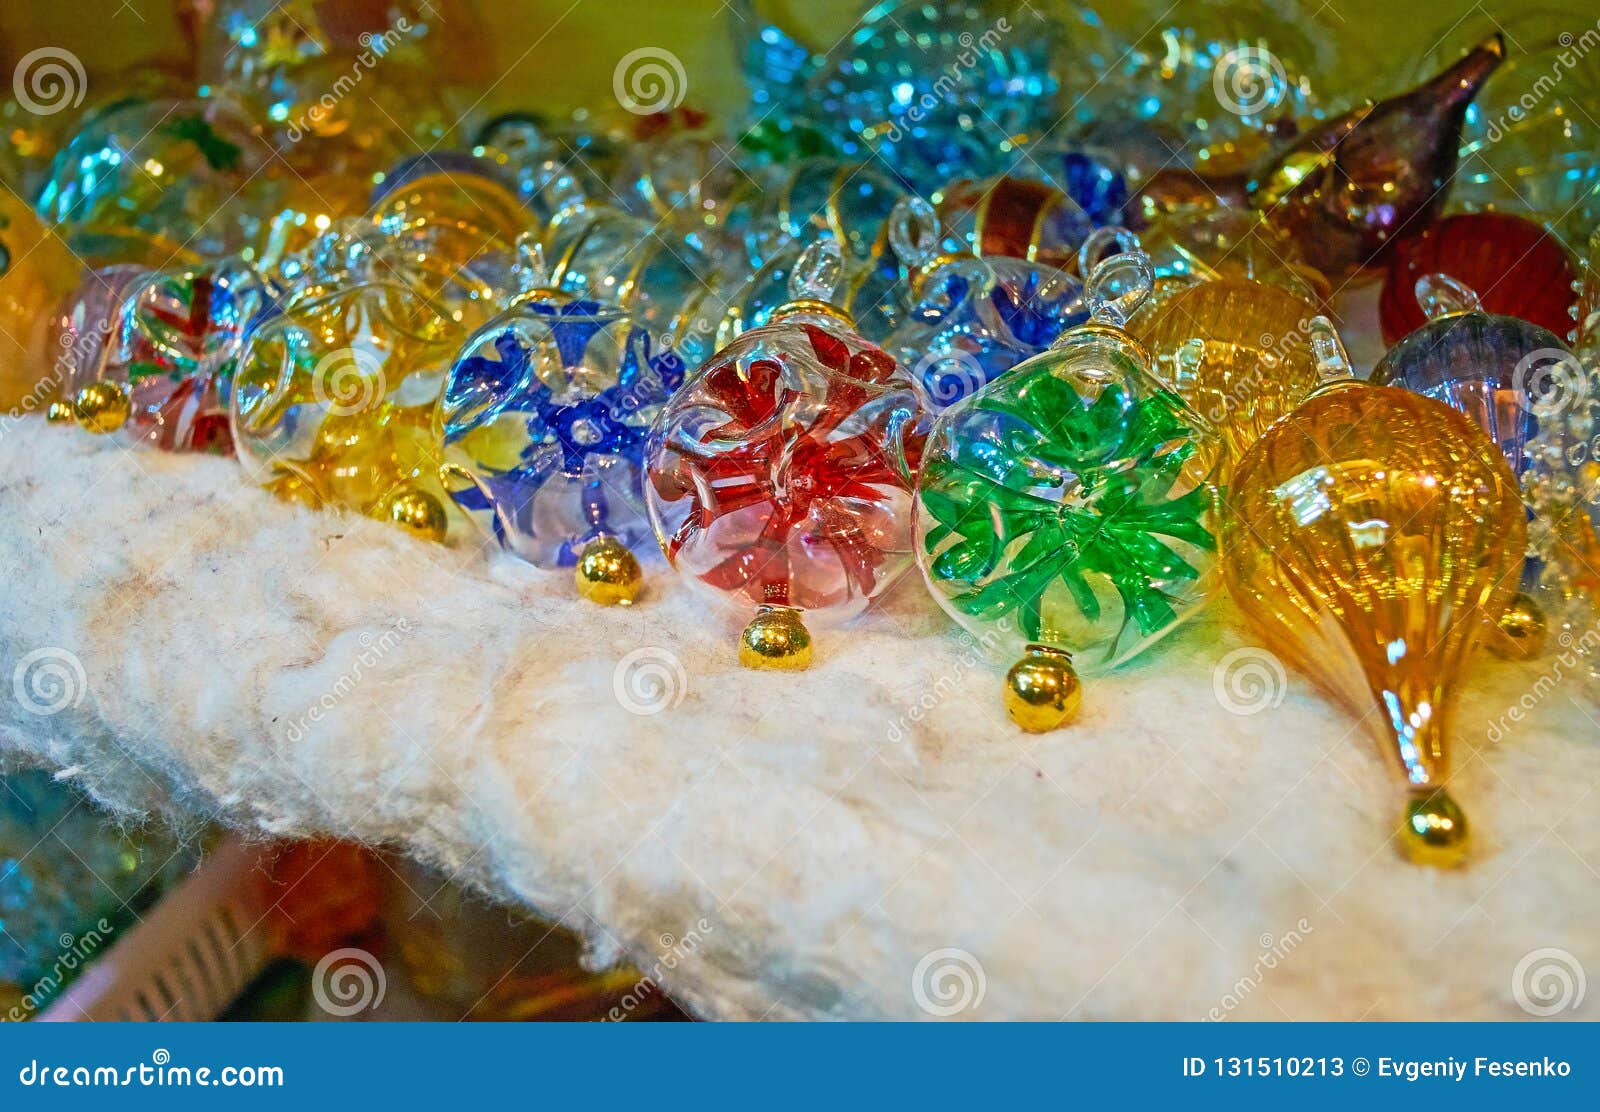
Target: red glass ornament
781	472
1516	268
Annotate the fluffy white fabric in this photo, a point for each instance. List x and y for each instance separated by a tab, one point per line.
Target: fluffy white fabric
295	673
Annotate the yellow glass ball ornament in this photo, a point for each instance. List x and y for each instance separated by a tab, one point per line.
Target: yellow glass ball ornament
1367	534
332	403
36	273
1238	351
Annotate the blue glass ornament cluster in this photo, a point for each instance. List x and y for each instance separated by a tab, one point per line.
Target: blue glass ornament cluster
932	89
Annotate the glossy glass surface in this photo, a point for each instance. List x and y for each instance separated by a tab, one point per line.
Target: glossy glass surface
1489	367
333	399
544	420
1367	540
1071	503
599	253
976	318
37	273
1529	138
153	182
1513	265
929	89
174	347
1238	352
779	474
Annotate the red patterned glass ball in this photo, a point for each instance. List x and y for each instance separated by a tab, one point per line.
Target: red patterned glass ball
1516	268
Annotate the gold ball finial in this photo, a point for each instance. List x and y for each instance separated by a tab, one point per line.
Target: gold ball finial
1520	630
60	413
1434	831
1042	691
102	407
776	640
608	573
416	511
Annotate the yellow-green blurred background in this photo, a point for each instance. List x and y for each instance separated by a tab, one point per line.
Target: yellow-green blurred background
557	54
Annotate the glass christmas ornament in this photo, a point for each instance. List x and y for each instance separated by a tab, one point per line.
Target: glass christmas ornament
1488	366
1561	486
1586	335
930	89
1366	536
1343	191
1528	143
439	224
333	401
1237	351
1095	178
972	318
531	151
599	253
1067	510
1021	217
36	273
154	182
544	419
169	356
298	66
872	293
1200	245
781	208
1228	81
779	475
1516	268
